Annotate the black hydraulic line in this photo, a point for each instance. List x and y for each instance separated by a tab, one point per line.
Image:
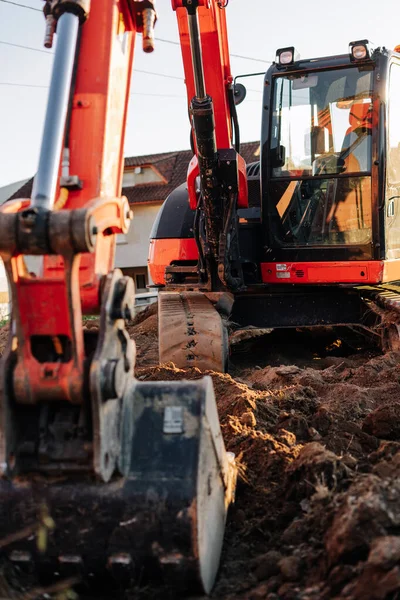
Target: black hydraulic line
218	172
72	92
234	119
196	230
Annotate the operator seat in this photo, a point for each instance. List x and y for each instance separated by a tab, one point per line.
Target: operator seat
360	129
351	214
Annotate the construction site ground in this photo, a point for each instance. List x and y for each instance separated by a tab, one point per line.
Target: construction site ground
314	421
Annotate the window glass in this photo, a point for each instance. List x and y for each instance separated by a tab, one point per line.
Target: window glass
320	157
393	162
393	166
140	282
321	211
321	123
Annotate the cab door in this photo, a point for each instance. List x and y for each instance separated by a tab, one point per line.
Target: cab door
392	191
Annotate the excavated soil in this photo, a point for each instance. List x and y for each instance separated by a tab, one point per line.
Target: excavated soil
314	421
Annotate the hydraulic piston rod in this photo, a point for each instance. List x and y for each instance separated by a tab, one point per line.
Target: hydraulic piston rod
45	183
197	59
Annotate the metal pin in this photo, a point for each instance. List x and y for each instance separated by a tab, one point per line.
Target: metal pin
49	33
149	19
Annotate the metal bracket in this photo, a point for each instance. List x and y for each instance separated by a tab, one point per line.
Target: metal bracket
111	372
56	8
144	16
191	6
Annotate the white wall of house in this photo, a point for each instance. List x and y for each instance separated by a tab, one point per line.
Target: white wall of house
133	248
140	175
5	193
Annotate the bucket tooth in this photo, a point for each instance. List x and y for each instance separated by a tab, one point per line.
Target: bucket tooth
121	567
18	556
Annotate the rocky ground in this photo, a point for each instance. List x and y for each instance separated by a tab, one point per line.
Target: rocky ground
314	423
313	420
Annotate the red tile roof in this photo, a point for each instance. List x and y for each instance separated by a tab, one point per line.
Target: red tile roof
172	166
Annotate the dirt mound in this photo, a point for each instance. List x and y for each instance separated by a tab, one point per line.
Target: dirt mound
317	439
318	501
4	331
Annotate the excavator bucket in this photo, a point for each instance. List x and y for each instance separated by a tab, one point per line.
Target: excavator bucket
160	520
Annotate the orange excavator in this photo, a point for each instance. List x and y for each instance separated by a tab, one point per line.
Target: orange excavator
306	236
103	478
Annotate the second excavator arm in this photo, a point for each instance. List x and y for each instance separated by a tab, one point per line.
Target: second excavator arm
217	164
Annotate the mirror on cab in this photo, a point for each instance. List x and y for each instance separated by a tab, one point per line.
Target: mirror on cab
239	93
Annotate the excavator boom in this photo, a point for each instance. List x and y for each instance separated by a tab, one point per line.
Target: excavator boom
191	332
125	477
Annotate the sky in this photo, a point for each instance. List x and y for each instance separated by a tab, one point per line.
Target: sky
157	120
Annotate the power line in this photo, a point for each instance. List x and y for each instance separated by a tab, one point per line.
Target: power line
159	74
176	77
155	95
261	60
32	85
164	41
51	53
173	43
21	5
25	47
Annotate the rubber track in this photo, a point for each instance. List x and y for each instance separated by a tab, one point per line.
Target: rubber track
191	332
386	295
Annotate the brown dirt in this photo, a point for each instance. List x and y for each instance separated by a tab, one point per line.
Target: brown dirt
314	424
315	427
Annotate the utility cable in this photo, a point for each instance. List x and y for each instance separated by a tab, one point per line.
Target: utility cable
31	85
135	70
21	5
34	85
26	47
172	42
158	74
51	53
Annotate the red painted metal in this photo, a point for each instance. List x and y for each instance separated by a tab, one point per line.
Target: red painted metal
98	126
50	303
218	79
165	251
192	174
368	271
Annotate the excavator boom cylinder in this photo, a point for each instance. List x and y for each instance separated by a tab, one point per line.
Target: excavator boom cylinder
45	182
195	46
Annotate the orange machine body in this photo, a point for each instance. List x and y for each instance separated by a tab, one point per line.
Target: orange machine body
50	303
218	79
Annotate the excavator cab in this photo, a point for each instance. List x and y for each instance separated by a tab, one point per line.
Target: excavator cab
319	237
334	121
318	158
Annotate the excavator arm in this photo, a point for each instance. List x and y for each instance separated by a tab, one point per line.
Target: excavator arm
129	471
73	215
216	162
191	330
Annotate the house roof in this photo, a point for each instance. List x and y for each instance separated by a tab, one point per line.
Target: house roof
172	166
